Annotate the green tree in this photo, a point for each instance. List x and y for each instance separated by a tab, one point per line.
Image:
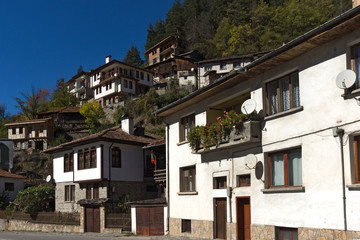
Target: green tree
174	23
32	200
155	33
133	57
62	97
94	115
222	36
31	104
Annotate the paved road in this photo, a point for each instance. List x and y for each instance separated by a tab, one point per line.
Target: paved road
13	235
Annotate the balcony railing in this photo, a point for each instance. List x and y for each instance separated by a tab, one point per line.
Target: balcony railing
160	176
250	132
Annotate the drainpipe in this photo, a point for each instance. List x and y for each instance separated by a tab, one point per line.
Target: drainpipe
167	180
340	133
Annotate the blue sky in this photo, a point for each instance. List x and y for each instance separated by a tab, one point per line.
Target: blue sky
42	41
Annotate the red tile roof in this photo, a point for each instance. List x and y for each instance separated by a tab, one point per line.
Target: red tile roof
115	134
29	121
62	110
7	174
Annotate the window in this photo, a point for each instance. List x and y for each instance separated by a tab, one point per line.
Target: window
21	130
186	124
282	233
223	66
244	180
355	63
137	74
88	191
13	130
69	193
68	162
125	71
141	75
236	64
357	158
208	68
107	86
285	168
220	183
87	159
9	187
148	77
100	89
96	191
186	225
283	94
187	179
130	84
116	157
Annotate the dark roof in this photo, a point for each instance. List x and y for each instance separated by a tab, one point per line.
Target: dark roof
94	202
29	121
168	38
7	174
61	110
116	61
115	134
233	58
333	29
78	75
173	58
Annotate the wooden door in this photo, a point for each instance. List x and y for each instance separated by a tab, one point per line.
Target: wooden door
150	221
92	219
220	222
243	215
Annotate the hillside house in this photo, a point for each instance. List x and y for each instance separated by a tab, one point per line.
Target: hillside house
105	166
10	184
115	80
79	85
304	149
212	69
6	154
33	134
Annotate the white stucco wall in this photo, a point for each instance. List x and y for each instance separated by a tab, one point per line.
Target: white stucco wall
321	205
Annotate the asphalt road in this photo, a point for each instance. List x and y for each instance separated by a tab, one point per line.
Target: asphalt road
13	235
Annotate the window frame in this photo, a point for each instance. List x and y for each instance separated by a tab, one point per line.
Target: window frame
352	64
87	158
220	182
187	183
356	143
285	153
279	232
116	157
186	225
278	93
69	193
184	125
9	186
247	178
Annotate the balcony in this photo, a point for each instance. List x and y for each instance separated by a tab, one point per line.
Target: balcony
160	176
249	132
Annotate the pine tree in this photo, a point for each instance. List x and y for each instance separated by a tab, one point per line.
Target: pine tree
133	57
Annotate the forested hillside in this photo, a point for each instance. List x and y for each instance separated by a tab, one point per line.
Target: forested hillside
219	28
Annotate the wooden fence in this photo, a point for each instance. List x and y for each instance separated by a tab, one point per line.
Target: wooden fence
118	220
46	217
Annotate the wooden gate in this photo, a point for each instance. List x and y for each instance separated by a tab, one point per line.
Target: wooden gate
150	221
243	215
220	221
92	219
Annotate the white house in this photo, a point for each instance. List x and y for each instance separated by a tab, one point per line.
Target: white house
105	165
115	80
79	85
305	146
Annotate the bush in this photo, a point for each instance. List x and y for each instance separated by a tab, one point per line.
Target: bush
32	200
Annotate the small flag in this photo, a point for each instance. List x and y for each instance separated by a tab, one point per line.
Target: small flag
153	158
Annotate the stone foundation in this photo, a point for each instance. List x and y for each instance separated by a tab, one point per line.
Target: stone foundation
21	225
267	232
199	229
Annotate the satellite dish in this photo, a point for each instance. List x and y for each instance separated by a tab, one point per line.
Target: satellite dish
345	79
115	74
259	169
250	161
48	178
248	106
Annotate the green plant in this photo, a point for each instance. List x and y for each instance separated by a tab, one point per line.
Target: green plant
32	200
4	199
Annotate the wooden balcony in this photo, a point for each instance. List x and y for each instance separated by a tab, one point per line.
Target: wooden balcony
249	133
160	176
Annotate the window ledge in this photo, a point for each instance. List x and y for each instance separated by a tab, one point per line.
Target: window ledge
182	143
353	187
352	94
188	193
284	190
285	113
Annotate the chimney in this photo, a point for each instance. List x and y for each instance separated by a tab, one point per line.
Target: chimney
127	125
355	3
107	59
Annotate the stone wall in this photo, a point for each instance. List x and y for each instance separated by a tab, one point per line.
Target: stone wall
266	232
199	229
21	225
